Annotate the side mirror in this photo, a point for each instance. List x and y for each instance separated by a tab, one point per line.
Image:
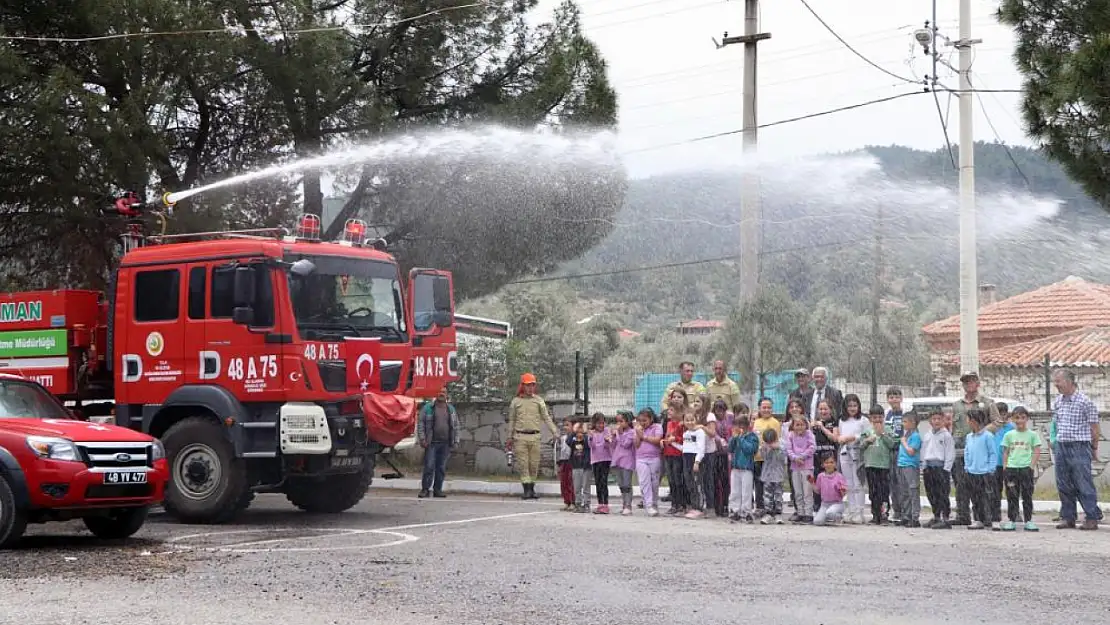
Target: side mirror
243	288
302	267
242	315
443	318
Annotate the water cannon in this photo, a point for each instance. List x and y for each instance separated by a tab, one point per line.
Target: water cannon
127	205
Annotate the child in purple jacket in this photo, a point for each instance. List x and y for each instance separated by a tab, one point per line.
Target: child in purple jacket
800	447
601	458
624	458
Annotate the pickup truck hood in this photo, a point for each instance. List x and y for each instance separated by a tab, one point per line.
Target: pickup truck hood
77	431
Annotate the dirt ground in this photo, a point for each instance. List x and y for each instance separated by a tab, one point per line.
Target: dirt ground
470	560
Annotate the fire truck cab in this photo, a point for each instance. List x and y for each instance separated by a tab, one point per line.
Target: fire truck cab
264	363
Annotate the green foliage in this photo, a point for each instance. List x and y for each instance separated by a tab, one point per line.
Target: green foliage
80	122
773	330
1063	50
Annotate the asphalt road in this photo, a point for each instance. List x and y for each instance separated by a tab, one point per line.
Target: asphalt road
466	560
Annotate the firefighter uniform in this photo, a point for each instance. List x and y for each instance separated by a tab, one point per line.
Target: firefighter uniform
527	416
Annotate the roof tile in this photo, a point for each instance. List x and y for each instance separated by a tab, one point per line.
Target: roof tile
1070	303
1086	347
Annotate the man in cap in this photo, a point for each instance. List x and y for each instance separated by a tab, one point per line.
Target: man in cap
972	400
801	378
528	414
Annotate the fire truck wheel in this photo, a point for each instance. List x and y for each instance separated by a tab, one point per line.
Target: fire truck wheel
208	484
12	520
332	494
119	523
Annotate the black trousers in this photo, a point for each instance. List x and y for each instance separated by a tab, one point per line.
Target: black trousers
938	488
601	482
999	482
758	485
710	474
878	489
676	482
963	490
1019	485
980	486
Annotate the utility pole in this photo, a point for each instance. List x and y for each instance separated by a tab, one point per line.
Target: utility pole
969	278
751	209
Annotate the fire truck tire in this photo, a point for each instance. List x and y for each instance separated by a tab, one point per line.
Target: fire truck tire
13	520
208	484
332	495
118	524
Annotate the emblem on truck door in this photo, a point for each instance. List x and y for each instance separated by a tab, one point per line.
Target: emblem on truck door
369	362
155	344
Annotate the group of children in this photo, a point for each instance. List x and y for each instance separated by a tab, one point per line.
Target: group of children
728	463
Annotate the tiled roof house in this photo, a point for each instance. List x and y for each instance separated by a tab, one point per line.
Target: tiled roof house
1069	321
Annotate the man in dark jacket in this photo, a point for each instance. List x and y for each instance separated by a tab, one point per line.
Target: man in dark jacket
822	390
437	431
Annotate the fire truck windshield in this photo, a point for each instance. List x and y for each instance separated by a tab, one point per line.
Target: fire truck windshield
347	296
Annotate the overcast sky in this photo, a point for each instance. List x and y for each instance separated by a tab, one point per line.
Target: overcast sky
674	85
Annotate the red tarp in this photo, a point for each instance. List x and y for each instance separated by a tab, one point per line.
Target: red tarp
389	418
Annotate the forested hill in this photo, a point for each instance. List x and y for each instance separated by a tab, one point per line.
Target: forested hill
819	233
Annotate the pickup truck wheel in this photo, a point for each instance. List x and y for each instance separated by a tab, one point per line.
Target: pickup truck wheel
330	495
118	524
12	520
208	484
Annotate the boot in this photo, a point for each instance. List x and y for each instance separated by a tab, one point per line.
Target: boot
532	491
526	487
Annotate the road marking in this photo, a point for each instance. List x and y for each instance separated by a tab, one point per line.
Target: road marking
254	546
462	521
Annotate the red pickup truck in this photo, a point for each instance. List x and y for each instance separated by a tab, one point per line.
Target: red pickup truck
57	467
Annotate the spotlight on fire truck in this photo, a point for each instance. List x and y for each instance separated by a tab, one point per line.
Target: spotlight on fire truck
308	227
354	232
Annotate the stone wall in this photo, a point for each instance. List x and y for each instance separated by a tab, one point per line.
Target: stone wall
1046	478
482	439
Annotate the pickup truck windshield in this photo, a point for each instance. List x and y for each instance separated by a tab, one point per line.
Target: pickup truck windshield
347	296
23	400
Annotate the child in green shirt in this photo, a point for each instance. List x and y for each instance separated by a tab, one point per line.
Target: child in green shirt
1021	448
876	446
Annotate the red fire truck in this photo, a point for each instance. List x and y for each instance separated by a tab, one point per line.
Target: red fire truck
265	361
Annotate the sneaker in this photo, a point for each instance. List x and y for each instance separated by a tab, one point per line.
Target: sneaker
932	523
795	518
943	525
568	507
994	527
694	514
653	512
960	521
672	510
1032	527
602	509
778	520
1008	526
1089	525
581	509
766	520
440	495
626	512
424	494
1065	525
875	520
913	524
976	525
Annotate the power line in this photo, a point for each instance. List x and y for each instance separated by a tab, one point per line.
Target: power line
997	136
944	128
853	50
654	15
780	122
234	30
641	6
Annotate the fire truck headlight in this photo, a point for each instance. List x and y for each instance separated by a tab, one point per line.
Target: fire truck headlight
53	448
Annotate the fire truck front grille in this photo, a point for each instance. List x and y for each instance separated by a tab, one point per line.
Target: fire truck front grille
334	375
115	455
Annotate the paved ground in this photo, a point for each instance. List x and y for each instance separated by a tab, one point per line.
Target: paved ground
467	560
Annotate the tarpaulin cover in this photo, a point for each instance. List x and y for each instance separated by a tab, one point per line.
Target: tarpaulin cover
389	418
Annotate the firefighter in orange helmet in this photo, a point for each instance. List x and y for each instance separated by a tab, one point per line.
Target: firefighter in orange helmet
528	414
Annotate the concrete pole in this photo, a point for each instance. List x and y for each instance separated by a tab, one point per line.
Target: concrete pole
969	287
751	208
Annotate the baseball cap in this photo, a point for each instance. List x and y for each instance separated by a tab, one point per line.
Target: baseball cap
801	372
969	375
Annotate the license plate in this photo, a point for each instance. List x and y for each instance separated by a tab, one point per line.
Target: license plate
125	477
350	461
